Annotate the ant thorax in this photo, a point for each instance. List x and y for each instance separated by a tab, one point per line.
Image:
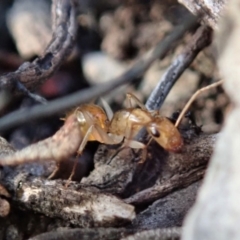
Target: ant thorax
140	116
119	122
129	120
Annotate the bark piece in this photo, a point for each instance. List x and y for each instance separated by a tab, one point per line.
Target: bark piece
79	206
168	211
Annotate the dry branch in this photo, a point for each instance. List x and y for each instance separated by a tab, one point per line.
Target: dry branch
169	211
33	74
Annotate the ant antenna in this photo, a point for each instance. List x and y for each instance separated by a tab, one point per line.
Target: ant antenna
194	96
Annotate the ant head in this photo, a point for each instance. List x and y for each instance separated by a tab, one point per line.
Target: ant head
165	134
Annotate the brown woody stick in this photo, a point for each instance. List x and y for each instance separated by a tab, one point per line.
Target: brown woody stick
33	74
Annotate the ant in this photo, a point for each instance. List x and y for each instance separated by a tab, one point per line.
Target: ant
124	126
89	122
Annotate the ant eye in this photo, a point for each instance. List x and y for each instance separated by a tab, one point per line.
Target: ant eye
155	132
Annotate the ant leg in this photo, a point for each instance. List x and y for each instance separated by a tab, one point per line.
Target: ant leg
81	147
54	172
128	142
194	96
129	138
79	152
85	139
144	153
102	136
131	144
138	102
72	172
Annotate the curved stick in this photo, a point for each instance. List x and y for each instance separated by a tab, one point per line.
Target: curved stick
33	74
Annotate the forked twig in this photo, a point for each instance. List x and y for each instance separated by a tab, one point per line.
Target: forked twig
194	96
33	74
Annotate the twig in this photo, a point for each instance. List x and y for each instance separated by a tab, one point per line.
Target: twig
62	104
31	75
194	96
198	42
21	88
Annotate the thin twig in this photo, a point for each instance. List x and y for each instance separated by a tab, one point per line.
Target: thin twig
194	96
60	105
197	43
